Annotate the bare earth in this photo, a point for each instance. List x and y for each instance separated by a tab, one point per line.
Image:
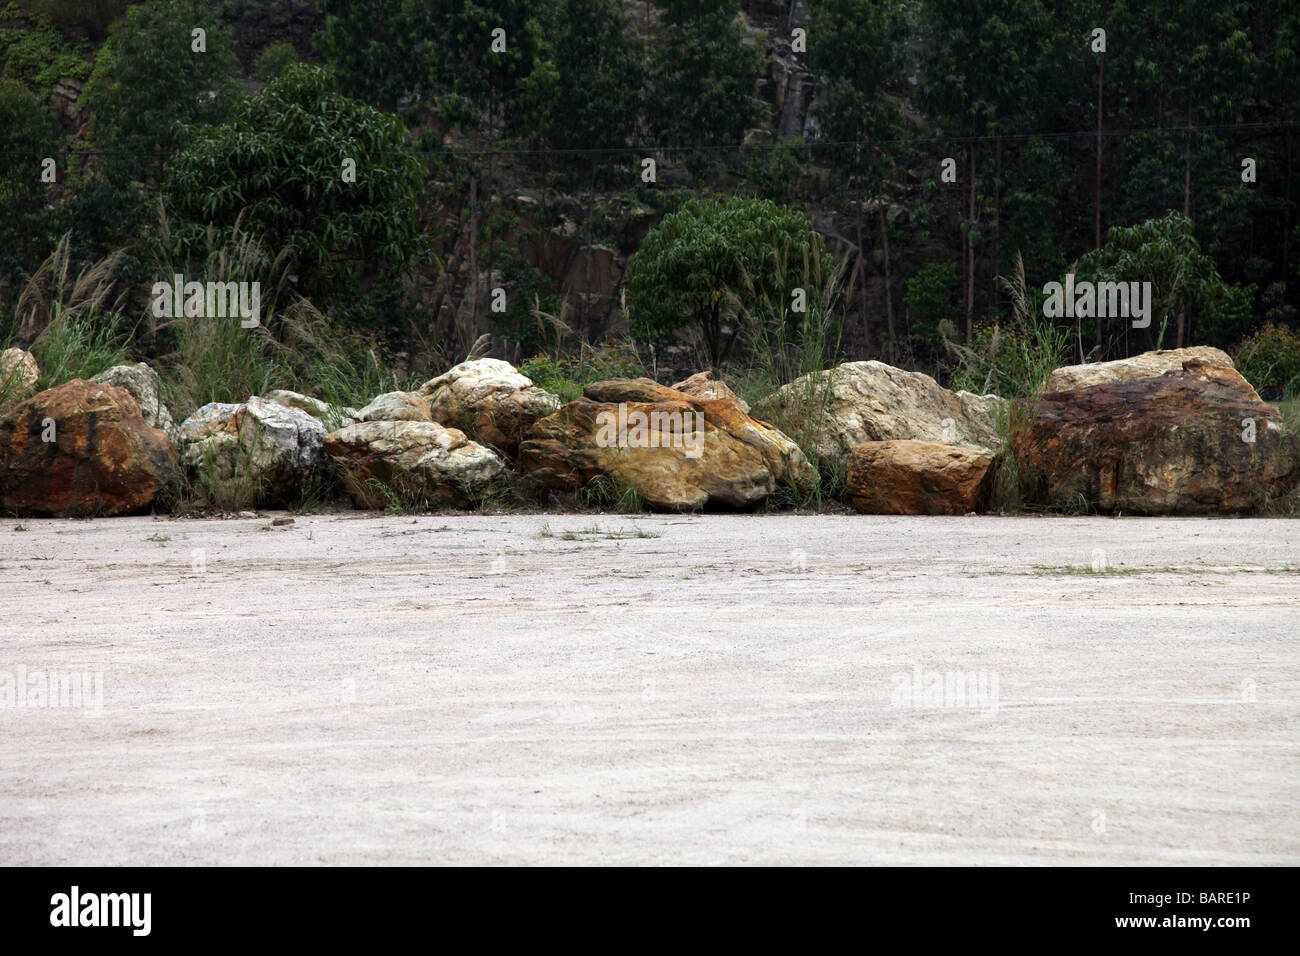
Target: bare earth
727	689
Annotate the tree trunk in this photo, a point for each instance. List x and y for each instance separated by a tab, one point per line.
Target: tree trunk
970	255
1101	72
889	296
862	288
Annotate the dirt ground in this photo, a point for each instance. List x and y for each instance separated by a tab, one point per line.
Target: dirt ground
652	689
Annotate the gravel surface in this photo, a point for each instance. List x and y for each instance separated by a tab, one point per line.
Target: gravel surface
650	689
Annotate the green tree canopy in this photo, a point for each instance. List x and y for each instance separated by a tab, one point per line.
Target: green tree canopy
280	162
712	259
151	82
1164	252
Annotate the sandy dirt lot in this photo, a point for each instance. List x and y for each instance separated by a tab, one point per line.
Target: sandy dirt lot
534	689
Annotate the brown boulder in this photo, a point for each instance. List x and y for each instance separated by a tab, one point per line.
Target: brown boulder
81	449
1177	443
704	385
908	477
679	452
490	401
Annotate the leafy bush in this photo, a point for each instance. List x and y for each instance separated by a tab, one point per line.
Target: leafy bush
275	59
711	262
567	376
1270	357
278	166
932	295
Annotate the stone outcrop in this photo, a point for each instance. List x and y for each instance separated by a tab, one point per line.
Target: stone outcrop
253	453
1192	441
918	478
679	452
872	401
489	400
416	463
81	449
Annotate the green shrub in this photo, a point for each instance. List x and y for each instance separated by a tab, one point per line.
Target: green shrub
567	376
275	59
1270	357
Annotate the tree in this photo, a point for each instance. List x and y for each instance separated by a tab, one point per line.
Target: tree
153	81
282	163
584	90
1164	252
712	260
702	78
437	52
855	48
27	136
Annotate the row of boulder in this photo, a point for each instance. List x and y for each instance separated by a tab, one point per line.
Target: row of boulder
1171	432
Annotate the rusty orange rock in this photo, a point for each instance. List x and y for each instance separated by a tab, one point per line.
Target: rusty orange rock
1195	440
102	460
679	452
906	477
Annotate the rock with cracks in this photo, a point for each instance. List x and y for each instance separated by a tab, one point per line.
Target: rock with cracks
255	453
679	452
872	401
1192	441
1147	364
704	385
143	384
79	450
489	400
414	463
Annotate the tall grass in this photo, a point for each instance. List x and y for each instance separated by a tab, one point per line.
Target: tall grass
796	350
1014	363
72	322
294	346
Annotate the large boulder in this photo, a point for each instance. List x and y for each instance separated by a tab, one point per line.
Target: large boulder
254	453
1147	364
81	449
396	407
143	384
418	463
18	374
490	401
918	478
704	385
872	401
1178	443
679	452
331	416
